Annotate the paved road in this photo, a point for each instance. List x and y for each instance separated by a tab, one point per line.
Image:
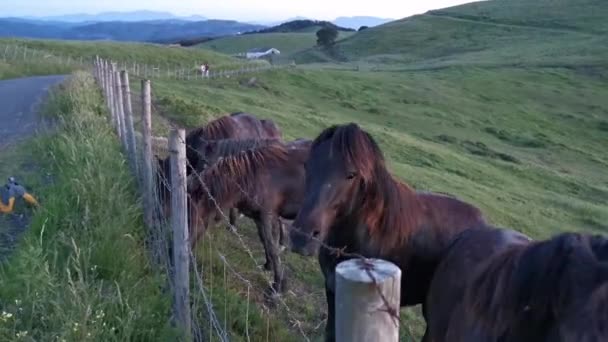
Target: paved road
19	104
19	100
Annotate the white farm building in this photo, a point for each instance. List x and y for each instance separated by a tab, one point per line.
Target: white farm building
261	52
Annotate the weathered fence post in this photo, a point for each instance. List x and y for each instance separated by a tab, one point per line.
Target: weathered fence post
148	171
179	222
128	110
120	115
367	308
111	99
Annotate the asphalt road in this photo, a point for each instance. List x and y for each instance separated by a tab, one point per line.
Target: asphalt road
19	119
19	103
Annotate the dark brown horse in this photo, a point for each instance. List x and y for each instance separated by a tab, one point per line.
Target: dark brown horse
353	202
212	150
497	285
264	184
234	126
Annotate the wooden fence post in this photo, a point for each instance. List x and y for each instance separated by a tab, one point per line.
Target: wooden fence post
361	311
179	222
111	99
148	166
128	110
120	117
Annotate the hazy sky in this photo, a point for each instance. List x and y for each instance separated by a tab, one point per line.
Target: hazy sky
231	9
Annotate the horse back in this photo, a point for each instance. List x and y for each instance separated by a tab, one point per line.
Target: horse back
462	260
249	126
449	215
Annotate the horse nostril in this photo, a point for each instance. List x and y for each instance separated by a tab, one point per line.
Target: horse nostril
316	234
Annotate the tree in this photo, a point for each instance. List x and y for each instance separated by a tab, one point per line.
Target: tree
327	36
363	28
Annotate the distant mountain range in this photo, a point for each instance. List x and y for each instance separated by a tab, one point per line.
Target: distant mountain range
118	16
162	30
151	26
347	22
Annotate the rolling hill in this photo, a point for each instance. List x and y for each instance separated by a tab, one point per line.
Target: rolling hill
500	103
142	31
287	43
288	37
486	33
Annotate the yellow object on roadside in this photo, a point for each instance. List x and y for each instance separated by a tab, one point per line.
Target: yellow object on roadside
7	209
30	199
10	192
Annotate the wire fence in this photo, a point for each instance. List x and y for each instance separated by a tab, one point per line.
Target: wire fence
12	52
199	311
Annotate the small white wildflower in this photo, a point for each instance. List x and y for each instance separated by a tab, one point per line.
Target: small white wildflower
17	302
88	334
21	334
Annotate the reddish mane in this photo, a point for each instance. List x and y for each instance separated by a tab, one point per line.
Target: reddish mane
235	174
392	210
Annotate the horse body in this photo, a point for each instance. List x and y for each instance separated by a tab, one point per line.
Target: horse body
234	126
353	203
497	285
264	184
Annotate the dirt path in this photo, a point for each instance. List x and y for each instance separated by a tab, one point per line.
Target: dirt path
19	119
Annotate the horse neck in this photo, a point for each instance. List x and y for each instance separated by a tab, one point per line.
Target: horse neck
224	193
390	211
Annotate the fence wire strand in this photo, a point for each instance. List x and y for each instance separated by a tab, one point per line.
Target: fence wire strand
159	242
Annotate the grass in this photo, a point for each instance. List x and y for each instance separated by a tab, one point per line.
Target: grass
81	272
523	144
492	33
493	103
287	43
161	56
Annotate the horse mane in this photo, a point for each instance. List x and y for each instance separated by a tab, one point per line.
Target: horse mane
540	280
390	207
235	175
220	128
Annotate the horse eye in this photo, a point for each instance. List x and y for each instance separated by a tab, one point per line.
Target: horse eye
351	175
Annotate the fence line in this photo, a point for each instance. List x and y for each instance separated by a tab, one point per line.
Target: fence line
168	241
141	70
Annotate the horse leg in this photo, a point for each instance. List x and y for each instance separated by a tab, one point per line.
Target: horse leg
267	265
283	235
330	325
275	262
232	217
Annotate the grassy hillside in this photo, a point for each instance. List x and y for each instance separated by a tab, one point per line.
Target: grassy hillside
526	145
579	15
511	116
152	54
486	33
287	43
81	272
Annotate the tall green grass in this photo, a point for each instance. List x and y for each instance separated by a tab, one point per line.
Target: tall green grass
81	273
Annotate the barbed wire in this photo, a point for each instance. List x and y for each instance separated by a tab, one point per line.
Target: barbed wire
215	325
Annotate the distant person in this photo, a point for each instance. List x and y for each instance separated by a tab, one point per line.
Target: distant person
206	70
203	69
10	192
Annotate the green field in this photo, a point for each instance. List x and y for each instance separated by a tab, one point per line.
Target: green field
501	103
453	38
163	57
287	43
